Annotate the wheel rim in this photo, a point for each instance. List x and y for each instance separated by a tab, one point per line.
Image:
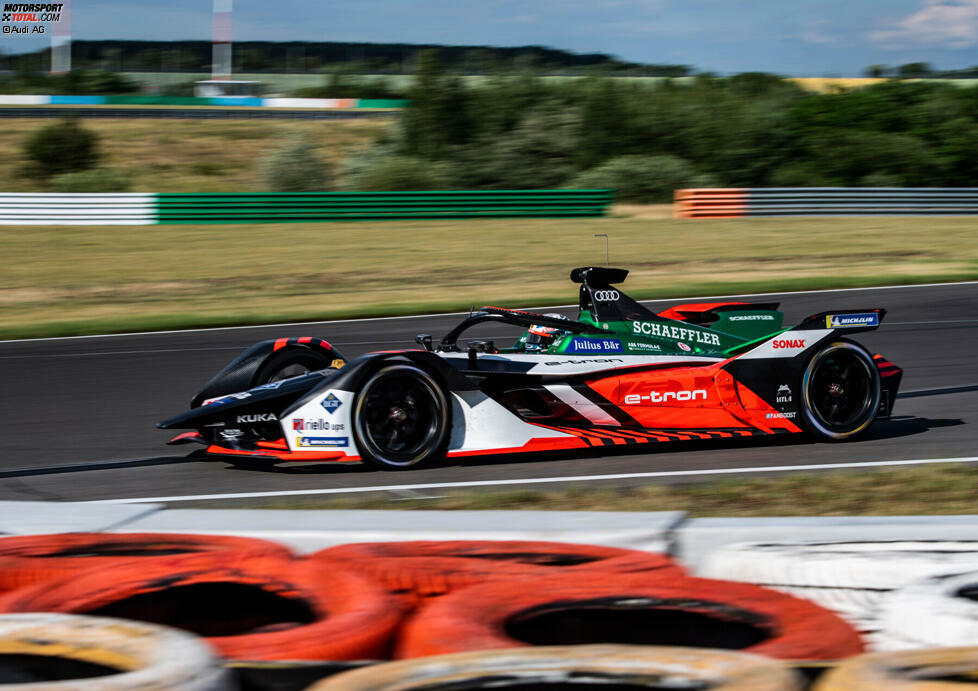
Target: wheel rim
841	390
401	415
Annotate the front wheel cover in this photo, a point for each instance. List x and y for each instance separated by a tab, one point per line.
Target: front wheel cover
401	418
840	391
290	363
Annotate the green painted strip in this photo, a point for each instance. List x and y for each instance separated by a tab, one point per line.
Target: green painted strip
119	100
289	207
439	193
382	103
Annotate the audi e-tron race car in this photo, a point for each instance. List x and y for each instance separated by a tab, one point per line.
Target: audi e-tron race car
618	375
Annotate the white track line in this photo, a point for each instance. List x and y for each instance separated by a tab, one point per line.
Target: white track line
449	314
538	480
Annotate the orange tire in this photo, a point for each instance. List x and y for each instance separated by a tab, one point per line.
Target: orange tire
628	609
425	569
29	559
248	607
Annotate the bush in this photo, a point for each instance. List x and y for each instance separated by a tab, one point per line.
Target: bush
294	167
63	147
643	179
94	180
74	82
801	174
401	174
881	180
340	84
538	154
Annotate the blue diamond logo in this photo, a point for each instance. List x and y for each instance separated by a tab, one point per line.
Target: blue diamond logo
331	403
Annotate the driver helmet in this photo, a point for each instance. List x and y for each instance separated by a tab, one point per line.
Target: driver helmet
542	337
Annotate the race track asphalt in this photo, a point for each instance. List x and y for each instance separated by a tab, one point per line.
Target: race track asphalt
93	402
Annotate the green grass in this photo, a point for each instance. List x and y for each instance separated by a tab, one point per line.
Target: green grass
77	280
940	489
189	155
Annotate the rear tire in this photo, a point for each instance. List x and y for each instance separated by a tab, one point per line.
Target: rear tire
840	391
401	418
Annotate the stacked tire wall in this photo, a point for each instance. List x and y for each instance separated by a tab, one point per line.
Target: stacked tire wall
537	610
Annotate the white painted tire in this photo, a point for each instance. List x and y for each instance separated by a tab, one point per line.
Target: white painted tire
853	579
941	611
941	669
584	665
146	656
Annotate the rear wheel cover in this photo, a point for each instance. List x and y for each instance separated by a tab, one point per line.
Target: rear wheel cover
840	391
401	417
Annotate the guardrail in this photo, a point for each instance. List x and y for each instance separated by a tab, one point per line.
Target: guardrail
359	206
224	101
826	201
137	209
286	207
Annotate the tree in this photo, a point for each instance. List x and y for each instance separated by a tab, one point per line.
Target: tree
914	70
604	124
438	115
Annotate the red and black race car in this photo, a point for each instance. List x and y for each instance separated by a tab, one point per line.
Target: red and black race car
617	375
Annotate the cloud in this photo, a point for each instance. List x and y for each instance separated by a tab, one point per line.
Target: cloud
816	34
953	23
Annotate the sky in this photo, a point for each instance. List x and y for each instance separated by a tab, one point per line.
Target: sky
793	37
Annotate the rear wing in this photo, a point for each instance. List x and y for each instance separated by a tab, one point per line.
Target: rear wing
851	321
809	333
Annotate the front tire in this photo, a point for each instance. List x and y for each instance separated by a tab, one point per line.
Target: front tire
290	363
401	418
840	391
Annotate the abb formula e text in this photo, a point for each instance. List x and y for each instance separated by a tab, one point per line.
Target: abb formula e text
617	375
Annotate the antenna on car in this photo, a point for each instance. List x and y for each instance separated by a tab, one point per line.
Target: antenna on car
607	258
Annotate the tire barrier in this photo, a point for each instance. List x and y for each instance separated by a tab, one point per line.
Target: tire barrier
852	579
937	612
425	569
30	559
290	675
42	652
593	666
944	669
825	201
248	607
627	609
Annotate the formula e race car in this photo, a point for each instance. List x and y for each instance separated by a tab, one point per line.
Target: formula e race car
618	375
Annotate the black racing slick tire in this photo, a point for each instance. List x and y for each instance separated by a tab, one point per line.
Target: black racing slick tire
290	363
401	418
840	391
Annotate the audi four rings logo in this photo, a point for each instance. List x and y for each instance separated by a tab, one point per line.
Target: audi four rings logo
606	295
